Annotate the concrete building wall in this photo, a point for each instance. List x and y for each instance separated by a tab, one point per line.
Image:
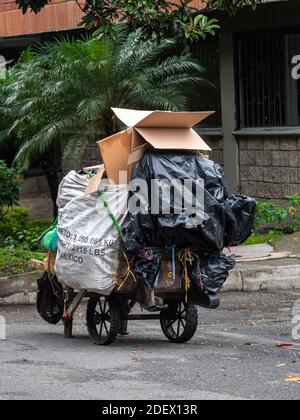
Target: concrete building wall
216	144
270	166
59	15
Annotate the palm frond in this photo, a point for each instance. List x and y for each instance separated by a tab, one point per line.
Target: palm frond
61	92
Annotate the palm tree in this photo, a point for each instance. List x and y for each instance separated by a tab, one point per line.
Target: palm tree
60	96
17	126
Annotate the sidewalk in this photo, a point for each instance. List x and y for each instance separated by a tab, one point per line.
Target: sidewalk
262	267
282	274
259	268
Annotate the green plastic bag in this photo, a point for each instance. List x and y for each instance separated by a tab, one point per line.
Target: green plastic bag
49	238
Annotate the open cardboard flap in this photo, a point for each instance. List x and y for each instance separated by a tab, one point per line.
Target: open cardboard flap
160	119
161	130
114	151
94	182
173	138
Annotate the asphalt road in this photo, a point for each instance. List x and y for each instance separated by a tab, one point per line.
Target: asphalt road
232	356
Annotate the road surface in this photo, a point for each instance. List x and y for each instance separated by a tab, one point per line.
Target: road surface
232	356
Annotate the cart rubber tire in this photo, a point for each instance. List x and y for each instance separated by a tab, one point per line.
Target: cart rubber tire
103	319
184	325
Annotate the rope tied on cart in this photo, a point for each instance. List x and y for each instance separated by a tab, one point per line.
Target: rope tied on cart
109	210
54	285
120	232
127	273
186	257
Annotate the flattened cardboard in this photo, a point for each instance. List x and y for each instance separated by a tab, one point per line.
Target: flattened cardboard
115	151
160	119
130	117
94	169
156	129
164	281
94	182
173	138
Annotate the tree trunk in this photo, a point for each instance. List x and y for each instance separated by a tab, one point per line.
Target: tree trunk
50	168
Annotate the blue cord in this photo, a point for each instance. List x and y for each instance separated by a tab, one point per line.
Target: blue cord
173	263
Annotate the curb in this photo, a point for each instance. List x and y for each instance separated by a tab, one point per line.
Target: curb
286	277
19	289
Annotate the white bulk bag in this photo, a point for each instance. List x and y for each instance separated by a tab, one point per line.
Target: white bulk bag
88	240
72	186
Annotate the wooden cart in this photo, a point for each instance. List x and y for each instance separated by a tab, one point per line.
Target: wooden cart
108	316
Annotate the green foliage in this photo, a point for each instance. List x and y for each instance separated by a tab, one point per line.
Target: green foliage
17	261
200	26
9	188
26	238
61	95
161	18
232	6
270	214
264	238
16	218
18	230
293	221
164	18
294	200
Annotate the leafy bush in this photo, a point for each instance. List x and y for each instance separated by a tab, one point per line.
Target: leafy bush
16	218
16	261
293	222
269	214
9	188
154	16
18	230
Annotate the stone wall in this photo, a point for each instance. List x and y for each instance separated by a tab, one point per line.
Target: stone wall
216	144
92	156
269	166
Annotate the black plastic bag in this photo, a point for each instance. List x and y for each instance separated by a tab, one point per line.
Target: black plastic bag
50	302
240	218
177	228
196	276
133	235
147	267
215	271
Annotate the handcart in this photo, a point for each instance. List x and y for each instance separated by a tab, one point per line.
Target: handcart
108	316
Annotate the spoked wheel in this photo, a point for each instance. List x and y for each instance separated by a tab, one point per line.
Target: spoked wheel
182	323
103	319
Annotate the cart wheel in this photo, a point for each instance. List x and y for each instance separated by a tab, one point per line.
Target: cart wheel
183	325
103	319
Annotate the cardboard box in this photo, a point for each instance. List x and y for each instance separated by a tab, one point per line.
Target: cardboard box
159	130
165	282
94	181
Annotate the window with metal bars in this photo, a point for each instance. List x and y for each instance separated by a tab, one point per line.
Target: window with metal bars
269	96
209	96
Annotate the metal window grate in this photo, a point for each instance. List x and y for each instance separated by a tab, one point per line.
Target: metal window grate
269	97
209	98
